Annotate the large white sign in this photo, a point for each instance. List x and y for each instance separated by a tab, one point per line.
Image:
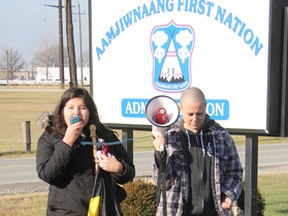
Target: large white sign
146	48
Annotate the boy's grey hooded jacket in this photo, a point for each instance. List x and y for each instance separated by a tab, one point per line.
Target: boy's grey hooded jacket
226	170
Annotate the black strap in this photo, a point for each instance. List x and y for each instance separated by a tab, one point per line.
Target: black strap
159	179
161	184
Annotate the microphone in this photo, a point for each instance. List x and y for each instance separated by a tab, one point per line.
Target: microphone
75	119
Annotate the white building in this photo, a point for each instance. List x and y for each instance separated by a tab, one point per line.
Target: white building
52	74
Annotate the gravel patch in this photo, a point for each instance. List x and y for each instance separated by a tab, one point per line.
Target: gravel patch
27	187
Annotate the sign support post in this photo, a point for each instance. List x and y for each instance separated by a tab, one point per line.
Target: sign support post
251	171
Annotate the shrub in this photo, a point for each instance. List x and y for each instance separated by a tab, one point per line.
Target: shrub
140	200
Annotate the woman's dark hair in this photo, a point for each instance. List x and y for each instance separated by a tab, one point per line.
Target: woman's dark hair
75	92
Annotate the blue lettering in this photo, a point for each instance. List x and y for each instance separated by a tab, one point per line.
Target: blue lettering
218	109
201	7
246	33
257	46
135	108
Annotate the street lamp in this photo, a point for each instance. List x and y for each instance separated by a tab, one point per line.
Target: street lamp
7	66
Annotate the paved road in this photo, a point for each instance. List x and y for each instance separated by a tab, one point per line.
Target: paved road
271	158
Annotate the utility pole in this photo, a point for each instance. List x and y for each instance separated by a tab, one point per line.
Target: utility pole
80	38
80	43
70	45
61	52
90	46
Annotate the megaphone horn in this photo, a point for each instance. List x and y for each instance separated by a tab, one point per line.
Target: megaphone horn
162	111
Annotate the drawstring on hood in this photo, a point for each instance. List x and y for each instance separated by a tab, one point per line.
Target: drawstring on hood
202	143
188	137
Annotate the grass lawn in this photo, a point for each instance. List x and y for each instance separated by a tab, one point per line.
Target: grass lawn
17	107
275	192
273	188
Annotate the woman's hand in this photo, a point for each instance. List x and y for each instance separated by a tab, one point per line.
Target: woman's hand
72	133
110	164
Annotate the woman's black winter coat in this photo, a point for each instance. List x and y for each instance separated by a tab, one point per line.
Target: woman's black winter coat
70	172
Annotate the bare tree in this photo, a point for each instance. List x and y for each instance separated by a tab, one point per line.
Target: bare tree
70	44
47	54
4	57
15	61
85	59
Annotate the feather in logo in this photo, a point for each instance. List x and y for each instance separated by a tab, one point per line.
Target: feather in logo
172	47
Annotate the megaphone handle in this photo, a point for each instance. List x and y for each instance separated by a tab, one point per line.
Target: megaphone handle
161	148
156	130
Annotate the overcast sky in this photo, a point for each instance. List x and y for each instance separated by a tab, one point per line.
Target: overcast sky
23	23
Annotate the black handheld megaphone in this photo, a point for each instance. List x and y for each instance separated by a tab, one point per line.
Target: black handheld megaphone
161	111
